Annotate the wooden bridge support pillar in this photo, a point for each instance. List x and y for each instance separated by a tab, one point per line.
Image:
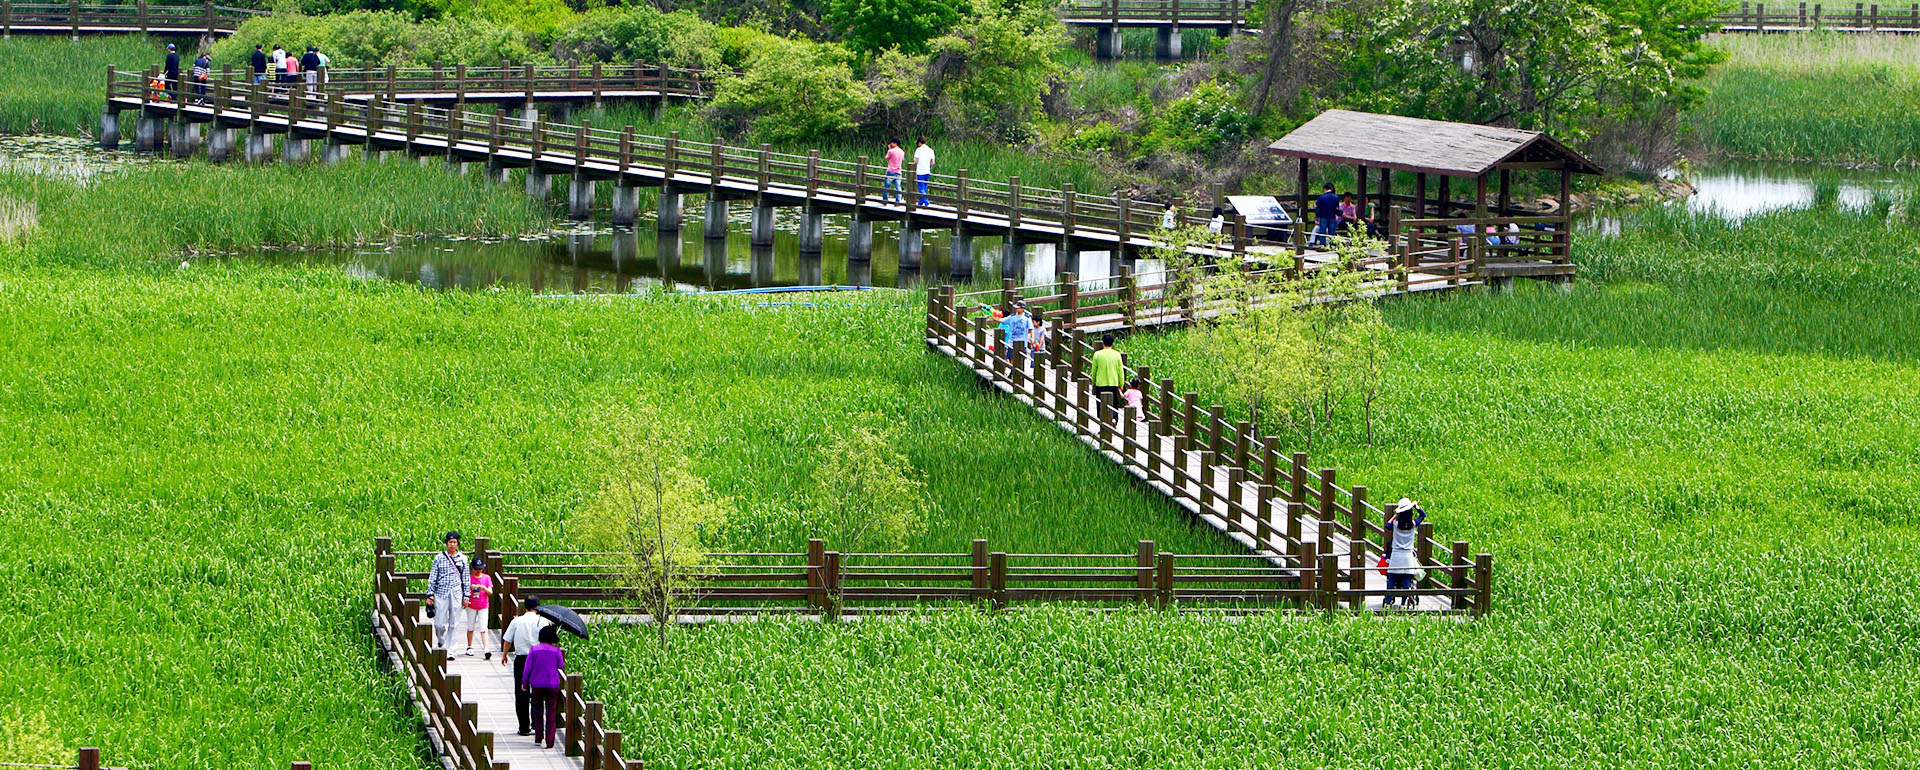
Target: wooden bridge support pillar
539	183
860	238
1013	257
147	133
761	232
1166	42
668	211
259	147
1107	42
332	153
626	204
813	230
960	254
293	150
219	143
912	242
109	129
579	197
183	138
715	224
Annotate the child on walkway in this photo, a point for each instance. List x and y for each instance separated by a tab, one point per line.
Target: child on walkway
1135	398
476	612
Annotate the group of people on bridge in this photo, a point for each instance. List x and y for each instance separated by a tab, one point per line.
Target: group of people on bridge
458	593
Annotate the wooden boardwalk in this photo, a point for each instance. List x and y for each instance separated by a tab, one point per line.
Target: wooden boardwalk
489	686
75	19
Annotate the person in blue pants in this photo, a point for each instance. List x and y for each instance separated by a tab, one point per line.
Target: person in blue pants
923	167
1326	210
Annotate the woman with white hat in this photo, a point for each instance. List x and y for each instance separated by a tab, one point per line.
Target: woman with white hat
1403	561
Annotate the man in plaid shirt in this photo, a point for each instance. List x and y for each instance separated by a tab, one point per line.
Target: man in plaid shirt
447	587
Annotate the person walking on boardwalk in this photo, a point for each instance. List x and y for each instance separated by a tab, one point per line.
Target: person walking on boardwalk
259	63
202	72
544	663
890	189
173	72
1014	330
310	67
447	586
1108	370
1326	212
515	644
1170	218
1218	222
480	590
1402	556
923	168
1136	398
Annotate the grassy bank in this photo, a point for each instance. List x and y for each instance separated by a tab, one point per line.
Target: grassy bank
194	460
1826	98
57	86
1697	472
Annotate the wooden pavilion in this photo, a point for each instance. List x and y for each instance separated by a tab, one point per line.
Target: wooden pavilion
1524	241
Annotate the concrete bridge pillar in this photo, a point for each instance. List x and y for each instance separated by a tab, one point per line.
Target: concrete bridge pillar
183	138
147	133
668	212
331	153
762	229
813	230
1013	257
539	183
219	143
109	129
1166	42
912	243
716	219
293	150
580	197
373	154
259	147
498	174
626	204
1069	261
1107	42
860	238
960	254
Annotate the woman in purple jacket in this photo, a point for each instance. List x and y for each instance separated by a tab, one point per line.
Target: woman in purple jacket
544	663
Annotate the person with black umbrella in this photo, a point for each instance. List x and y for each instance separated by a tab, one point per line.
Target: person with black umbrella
515	643
544	664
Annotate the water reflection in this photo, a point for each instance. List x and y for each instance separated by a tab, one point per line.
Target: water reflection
629	260
1739	190
66	157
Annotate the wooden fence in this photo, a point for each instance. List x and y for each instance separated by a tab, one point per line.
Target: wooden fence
515	82
1839	17
75	18
1226	472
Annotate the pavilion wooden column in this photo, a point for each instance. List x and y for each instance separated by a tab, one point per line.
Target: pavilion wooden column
1419	194
1506	187
1386	208
1360	189
1300	210
1446	198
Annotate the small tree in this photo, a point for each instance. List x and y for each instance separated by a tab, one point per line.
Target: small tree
865	496
651	515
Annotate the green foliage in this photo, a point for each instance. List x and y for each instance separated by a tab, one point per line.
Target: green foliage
1097	138
872	26
1827	97
987	75
378	39
652	516
27	736
538	19
1206	121
738	44
627	34
54	85
792	91
866	497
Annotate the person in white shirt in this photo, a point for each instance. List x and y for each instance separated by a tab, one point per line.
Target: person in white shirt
923	167
515	642
1169	219
1218	222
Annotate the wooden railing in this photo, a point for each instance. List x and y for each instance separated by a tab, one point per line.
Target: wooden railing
77	18
527	80
436	693
1838	17
1061	214
1155	12
1189	453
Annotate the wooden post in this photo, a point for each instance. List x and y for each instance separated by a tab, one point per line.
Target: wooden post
1163	580
1357	526
1483	584
1129	295
1329	581
816	572
1125	225
1241	438
1013	203
997	578
981	579
860	179
1326	494
1066	215
1506	192
1143	565
813	173
1457	574
830	578
1300	210
960	197
89	759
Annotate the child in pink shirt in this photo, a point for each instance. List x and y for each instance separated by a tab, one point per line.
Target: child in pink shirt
476	611
1135	400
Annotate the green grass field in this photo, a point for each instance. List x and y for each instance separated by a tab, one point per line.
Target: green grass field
193	461
1827	98
1697	470
56	86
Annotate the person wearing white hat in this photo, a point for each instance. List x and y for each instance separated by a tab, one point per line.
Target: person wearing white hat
1403	561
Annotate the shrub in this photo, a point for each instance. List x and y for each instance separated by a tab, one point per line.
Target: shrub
639	33
1203	122
989	73
870	26
1094	139
792	91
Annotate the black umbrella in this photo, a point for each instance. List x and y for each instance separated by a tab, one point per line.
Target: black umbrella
566	619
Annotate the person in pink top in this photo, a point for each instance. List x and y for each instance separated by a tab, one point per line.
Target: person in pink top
476	612
544	664
1135	399
890	190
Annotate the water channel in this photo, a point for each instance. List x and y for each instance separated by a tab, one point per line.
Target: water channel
598	259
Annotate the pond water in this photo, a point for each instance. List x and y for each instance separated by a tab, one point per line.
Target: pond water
603	260
1738	190
64	156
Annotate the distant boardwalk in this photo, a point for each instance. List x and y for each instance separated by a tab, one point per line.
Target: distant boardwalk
76	19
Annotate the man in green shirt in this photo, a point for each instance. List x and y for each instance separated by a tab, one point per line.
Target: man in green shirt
1108	370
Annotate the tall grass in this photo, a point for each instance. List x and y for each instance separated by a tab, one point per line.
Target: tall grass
49	84
1815	97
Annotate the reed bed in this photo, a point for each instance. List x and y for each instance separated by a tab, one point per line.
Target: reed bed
57	86
1828	98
